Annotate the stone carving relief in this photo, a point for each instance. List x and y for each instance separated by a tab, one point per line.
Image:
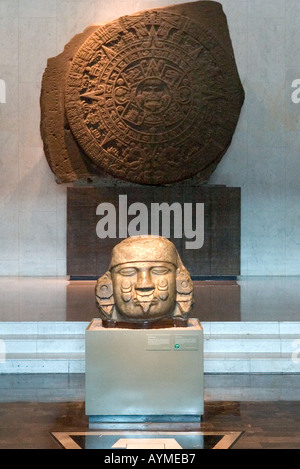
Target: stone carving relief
151	98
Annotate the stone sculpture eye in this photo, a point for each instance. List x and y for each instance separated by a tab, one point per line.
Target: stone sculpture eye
159	270
127	271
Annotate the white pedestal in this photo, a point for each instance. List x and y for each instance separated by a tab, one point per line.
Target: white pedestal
144	374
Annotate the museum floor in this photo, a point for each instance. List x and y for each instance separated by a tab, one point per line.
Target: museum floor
261	409
33	407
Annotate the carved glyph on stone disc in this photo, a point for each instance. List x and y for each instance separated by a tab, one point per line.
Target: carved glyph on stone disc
153	98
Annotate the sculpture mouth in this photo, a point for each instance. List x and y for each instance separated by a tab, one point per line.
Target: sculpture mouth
145	297
145	300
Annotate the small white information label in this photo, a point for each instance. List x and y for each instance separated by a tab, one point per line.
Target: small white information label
159	342
186	342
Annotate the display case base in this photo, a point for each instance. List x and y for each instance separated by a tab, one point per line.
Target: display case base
144	375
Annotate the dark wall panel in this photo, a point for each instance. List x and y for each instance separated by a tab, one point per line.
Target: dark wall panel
89	256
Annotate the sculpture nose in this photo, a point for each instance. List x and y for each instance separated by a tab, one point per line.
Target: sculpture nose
144	281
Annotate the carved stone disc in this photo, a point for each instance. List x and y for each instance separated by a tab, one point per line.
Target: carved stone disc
153	98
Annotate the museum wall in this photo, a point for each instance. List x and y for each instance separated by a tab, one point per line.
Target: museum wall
263	159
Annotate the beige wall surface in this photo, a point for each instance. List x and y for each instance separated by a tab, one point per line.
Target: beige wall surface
264	158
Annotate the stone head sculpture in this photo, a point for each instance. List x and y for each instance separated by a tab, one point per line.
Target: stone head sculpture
146	282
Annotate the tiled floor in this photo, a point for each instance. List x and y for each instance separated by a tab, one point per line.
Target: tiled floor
32	407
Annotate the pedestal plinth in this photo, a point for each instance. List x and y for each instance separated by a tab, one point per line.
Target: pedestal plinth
144	374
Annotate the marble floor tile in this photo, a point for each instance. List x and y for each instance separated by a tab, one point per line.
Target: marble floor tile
34	406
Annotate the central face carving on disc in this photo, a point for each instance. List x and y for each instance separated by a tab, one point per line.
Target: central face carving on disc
148	100
153	96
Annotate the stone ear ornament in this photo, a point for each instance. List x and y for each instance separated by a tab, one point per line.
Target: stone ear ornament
105	295
146	284
184	291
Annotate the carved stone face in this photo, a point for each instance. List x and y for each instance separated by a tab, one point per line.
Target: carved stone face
153	95
144	290
146	281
